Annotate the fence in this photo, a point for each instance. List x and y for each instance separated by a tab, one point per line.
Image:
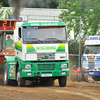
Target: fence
73	61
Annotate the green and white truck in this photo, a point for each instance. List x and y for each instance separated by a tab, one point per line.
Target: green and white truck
42	57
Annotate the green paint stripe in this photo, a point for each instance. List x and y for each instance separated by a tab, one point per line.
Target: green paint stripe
44	24
30	51
18	47
30	48
61	48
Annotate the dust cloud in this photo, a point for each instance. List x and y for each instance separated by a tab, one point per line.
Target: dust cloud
16	5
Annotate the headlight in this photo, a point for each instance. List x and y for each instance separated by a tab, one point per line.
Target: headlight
28	66
63	65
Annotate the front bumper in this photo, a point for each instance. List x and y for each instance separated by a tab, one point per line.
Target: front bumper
92	73
47	69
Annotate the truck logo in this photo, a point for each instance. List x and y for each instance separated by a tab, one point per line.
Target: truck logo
46	57
62	57
46	48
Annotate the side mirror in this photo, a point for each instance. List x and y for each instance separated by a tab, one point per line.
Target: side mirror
19	32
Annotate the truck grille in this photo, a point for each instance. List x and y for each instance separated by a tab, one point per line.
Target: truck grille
46	56
91	63
46	66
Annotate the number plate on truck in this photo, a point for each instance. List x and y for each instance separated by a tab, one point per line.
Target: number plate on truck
46	75
91	72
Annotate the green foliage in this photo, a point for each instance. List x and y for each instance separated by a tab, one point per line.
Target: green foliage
7	12
35	3
5	3
41	3
74	49
88	10
1	12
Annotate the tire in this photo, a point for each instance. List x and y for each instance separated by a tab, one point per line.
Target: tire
85	77
62	81
96	78
73	77
20	81
79	77
6	80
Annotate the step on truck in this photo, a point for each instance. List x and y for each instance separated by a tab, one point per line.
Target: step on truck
91	57
41	54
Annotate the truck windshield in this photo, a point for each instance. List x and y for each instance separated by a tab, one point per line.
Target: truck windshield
44	35
92	49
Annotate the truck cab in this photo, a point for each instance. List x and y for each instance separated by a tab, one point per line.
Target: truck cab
91	57
41	53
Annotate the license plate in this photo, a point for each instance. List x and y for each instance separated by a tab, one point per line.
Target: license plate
46	75
91	73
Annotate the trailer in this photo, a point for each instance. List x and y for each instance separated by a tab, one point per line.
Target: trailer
91	57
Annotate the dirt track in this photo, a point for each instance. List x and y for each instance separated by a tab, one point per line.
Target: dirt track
72	91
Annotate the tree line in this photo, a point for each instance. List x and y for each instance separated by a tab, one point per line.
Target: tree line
35	3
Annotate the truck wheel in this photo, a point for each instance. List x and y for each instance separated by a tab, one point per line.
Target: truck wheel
20	81
6	80
73	77
79	77
62	81
86	77
96	78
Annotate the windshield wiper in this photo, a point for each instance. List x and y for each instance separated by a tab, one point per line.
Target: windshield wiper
33	40
54	39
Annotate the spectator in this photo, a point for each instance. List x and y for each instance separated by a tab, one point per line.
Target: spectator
9	42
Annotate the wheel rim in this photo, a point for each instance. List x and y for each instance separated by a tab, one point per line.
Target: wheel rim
5	77
18	78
